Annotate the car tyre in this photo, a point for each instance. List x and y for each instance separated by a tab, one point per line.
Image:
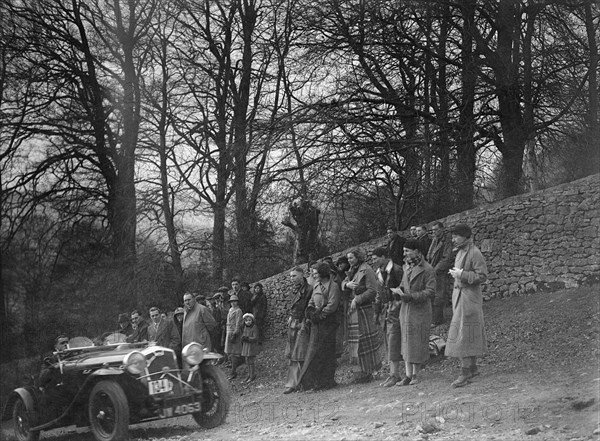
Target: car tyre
216	397
23	422
108	412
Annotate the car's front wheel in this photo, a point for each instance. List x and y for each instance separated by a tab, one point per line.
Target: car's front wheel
216	397
108	411
23	422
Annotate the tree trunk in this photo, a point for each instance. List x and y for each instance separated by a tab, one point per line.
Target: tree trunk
593	115
465	144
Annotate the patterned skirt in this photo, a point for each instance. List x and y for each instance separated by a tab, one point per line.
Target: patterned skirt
364	339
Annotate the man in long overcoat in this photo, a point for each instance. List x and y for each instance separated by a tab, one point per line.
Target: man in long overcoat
416	292
441	257
298	328
466	336
197	323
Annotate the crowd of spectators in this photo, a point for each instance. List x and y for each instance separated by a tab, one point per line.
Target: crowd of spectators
354	307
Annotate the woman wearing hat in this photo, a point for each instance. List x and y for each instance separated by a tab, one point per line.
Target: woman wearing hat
233	339
466	336
416	291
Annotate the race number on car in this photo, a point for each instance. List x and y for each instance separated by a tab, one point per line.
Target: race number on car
160	386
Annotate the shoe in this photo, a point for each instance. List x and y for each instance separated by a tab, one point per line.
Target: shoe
404	382
289	390
413	381
474	371
391	381
463	379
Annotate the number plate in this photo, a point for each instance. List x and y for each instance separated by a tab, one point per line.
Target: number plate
160	386
181	409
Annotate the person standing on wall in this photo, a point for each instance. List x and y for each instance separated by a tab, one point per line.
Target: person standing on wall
466	336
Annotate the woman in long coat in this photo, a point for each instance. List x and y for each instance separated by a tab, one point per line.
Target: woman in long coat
258	304
233	340
363	336
417	290
318	369
466	336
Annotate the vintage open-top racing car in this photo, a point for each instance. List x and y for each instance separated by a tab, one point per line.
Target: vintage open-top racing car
110	387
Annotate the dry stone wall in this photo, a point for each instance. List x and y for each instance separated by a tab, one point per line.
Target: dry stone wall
538	241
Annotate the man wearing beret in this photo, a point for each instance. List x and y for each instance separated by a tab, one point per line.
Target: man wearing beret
466	336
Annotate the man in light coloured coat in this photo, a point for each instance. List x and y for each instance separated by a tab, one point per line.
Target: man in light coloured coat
466	336
198	322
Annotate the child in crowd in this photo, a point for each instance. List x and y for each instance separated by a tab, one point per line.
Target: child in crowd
233	339
250	340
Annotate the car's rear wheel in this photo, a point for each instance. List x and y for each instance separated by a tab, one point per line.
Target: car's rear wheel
216	397
108	411
22	422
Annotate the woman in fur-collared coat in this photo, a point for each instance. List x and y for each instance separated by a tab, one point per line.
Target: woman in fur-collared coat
416	291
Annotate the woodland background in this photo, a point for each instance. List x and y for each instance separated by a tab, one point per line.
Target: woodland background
150	147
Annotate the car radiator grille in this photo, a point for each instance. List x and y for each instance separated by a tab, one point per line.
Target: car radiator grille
162	365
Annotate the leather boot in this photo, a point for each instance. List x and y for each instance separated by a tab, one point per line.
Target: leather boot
474	371
463	379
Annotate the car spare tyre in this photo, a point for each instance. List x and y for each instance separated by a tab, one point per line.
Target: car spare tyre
108	412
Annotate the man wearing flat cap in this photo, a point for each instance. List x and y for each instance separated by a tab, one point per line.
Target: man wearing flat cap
466	336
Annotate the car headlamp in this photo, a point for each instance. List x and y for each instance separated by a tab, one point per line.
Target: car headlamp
135	363
193	353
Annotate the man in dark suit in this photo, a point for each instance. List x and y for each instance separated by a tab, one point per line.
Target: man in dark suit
441	258
162	331
140	328
423	239
395	246
389	275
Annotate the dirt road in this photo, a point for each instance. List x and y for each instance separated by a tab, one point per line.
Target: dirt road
540	381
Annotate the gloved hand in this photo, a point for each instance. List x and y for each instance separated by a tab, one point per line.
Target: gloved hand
455	272
317	316
245	339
